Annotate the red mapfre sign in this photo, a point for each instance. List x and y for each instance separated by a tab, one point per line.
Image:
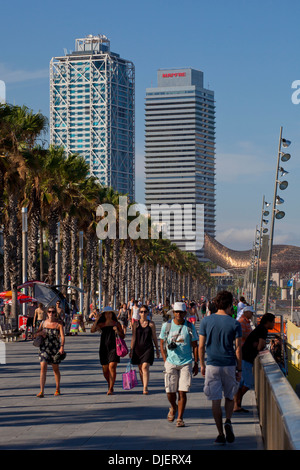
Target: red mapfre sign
171	75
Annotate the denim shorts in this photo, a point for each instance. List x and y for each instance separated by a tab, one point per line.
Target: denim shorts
219	381
247	375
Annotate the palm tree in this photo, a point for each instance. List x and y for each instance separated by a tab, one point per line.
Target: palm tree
19	129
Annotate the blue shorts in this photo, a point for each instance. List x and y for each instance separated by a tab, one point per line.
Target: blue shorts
247	375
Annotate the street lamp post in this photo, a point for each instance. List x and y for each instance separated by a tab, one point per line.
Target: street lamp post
24	252
275	213
57	256
81	284
100	276
260	231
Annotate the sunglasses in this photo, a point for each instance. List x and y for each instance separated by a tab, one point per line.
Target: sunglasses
143	311
51	311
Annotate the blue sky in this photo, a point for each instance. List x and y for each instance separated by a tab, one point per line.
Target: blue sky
248	51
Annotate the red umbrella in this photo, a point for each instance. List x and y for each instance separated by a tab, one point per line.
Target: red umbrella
6	294
22	299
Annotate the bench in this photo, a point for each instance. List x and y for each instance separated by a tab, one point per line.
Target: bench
7	333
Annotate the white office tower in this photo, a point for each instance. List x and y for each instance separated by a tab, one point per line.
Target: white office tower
180	157
2	92
92	110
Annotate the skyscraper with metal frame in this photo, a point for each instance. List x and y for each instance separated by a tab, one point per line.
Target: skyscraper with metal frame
92	110
180	153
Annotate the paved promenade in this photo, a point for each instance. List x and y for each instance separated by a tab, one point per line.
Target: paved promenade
83	417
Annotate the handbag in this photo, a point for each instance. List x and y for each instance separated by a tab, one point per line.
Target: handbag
121	347
38	341
129	378
59	357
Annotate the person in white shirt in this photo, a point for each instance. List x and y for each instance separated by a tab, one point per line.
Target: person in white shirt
240	306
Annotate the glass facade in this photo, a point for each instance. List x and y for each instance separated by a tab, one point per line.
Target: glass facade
92	110
180	151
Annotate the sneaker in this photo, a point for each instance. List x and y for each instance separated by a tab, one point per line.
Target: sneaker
220	440
229	432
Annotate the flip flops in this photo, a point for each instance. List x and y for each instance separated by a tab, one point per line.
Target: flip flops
180	423
171	414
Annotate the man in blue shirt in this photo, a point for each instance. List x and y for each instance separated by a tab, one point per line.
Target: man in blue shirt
221	335
178	344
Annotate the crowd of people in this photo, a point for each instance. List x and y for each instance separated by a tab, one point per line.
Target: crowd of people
226	344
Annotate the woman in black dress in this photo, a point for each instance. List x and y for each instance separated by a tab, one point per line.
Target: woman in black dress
142	350
108	324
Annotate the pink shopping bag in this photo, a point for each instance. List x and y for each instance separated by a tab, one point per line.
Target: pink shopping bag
129	378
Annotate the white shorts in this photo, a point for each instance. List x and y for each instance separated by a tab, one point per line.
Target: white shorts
219	380
177	378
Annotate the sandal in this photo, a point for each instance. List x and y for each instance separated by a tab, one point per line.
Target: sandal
40	395
180	423
171	414
57	392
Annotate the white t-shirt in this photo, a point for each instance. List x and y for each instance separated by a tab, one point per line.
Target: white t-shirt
135	313
240	306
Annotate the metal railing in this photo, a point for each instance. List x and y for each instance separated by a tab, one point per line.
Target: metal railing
278	405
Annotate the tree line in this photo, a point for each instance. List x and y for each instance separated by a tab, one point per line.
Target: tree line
58	191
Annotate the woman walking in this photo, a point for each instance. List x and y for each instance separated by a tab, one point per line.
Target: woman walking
142	350
135	315
123	318
108	324
54	339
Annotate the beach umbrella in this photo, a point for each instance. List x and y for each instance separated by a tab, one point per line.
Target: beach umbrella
22	299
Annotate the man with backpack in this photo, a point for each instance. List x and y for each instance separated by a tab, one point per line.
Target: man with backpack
178	345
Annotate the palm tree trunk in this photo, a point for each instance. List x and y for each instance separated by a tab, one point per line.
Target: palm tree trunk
66	250
94	270
74	255
105	276
12	246
33	240
6	253
87	284
115	272
52	234
41	254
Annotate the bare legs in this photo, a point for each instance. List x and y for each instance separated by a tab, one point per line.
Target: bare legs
144	370
43	374
238	398
181	403
217	413
110	373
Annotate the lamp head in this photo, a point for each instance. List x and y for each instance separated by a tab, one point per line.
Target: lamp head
285	142
285	157
283	185
279	214
279	200
283	171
